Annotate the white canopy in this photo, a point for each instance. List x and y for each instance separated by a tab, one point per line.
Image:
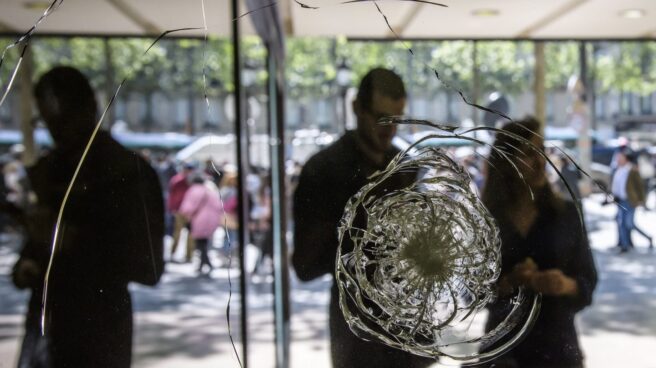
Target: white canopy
464	19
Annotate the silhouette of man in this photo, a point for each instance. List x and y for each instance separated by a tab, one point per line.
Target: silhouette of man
326	183
111	234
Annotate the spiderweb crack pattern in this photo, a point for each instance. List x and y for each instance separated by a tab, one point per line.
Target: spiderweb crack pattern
419	257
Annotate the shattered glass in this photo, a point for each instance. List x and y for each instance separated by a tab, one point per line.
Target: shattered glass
419	259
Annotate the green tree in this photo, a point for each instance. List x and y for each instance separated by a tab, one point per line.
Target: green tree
144	71
627	67
505	66
453	61
8	65
310	67
86	54
10	60
190	59
363	56
562	62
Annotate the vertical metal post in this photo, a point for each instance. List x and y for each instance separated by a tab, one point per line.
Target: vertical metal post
583	67
191	94
278	204
242	148
410	84
581	118
477	83
592	91
645	66
539	87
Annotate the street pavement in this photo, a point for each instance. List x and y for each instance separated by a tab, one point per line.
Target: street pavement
182	322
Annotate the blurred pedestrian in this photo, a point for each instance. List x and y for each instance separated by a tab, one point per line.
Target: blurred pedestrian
202	208
15	177
10	213
629	192
571	175
213	171
544	247
165	168
230	197
261	217
178	186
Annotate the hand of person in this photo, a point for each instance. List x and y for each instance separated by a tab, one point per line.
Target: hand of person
520	276
553	282
26	273
523	272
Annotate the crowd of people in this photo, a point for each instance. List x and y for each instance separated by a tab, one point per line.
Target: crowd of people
203	198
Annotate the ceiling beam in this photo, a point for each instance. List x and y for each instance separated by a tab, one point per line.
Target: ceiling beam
407	20
550	18
124	8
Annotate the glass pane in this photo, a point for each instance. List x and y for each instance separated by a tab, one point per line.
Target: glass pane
175	109
448	254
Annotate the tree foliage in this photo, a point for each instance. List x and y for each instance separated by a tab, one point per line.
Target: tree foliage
627	67
505	66
363	56
310	67
454	63
170	65
562	62
176	66
11	57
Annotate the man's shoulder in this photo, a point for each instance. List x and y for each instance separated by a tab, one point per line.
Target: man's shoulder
569	209
334	156
108	149
123	162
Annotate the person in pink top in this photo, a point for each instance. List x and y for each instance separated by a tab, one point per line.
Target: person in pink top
178	186
201	206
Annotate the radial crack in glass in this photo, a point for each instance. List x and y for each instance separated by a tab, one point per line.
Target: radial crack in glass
419	258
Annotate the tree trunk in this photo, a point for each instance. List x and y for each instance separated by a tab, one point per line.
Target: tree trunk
191	113
449	111
148	119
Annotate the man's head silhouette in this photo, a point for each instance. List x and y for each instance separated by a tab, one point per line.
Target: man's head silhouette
67	105
381	94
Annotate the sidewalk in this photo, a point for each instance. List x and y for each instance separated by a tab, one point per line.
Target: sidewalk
619	329
182	322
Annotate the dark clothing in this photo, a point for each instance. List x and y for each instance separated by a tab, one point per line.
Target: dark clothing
636	193
556	240
111	234
202	245
571	176
326	183
633	195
